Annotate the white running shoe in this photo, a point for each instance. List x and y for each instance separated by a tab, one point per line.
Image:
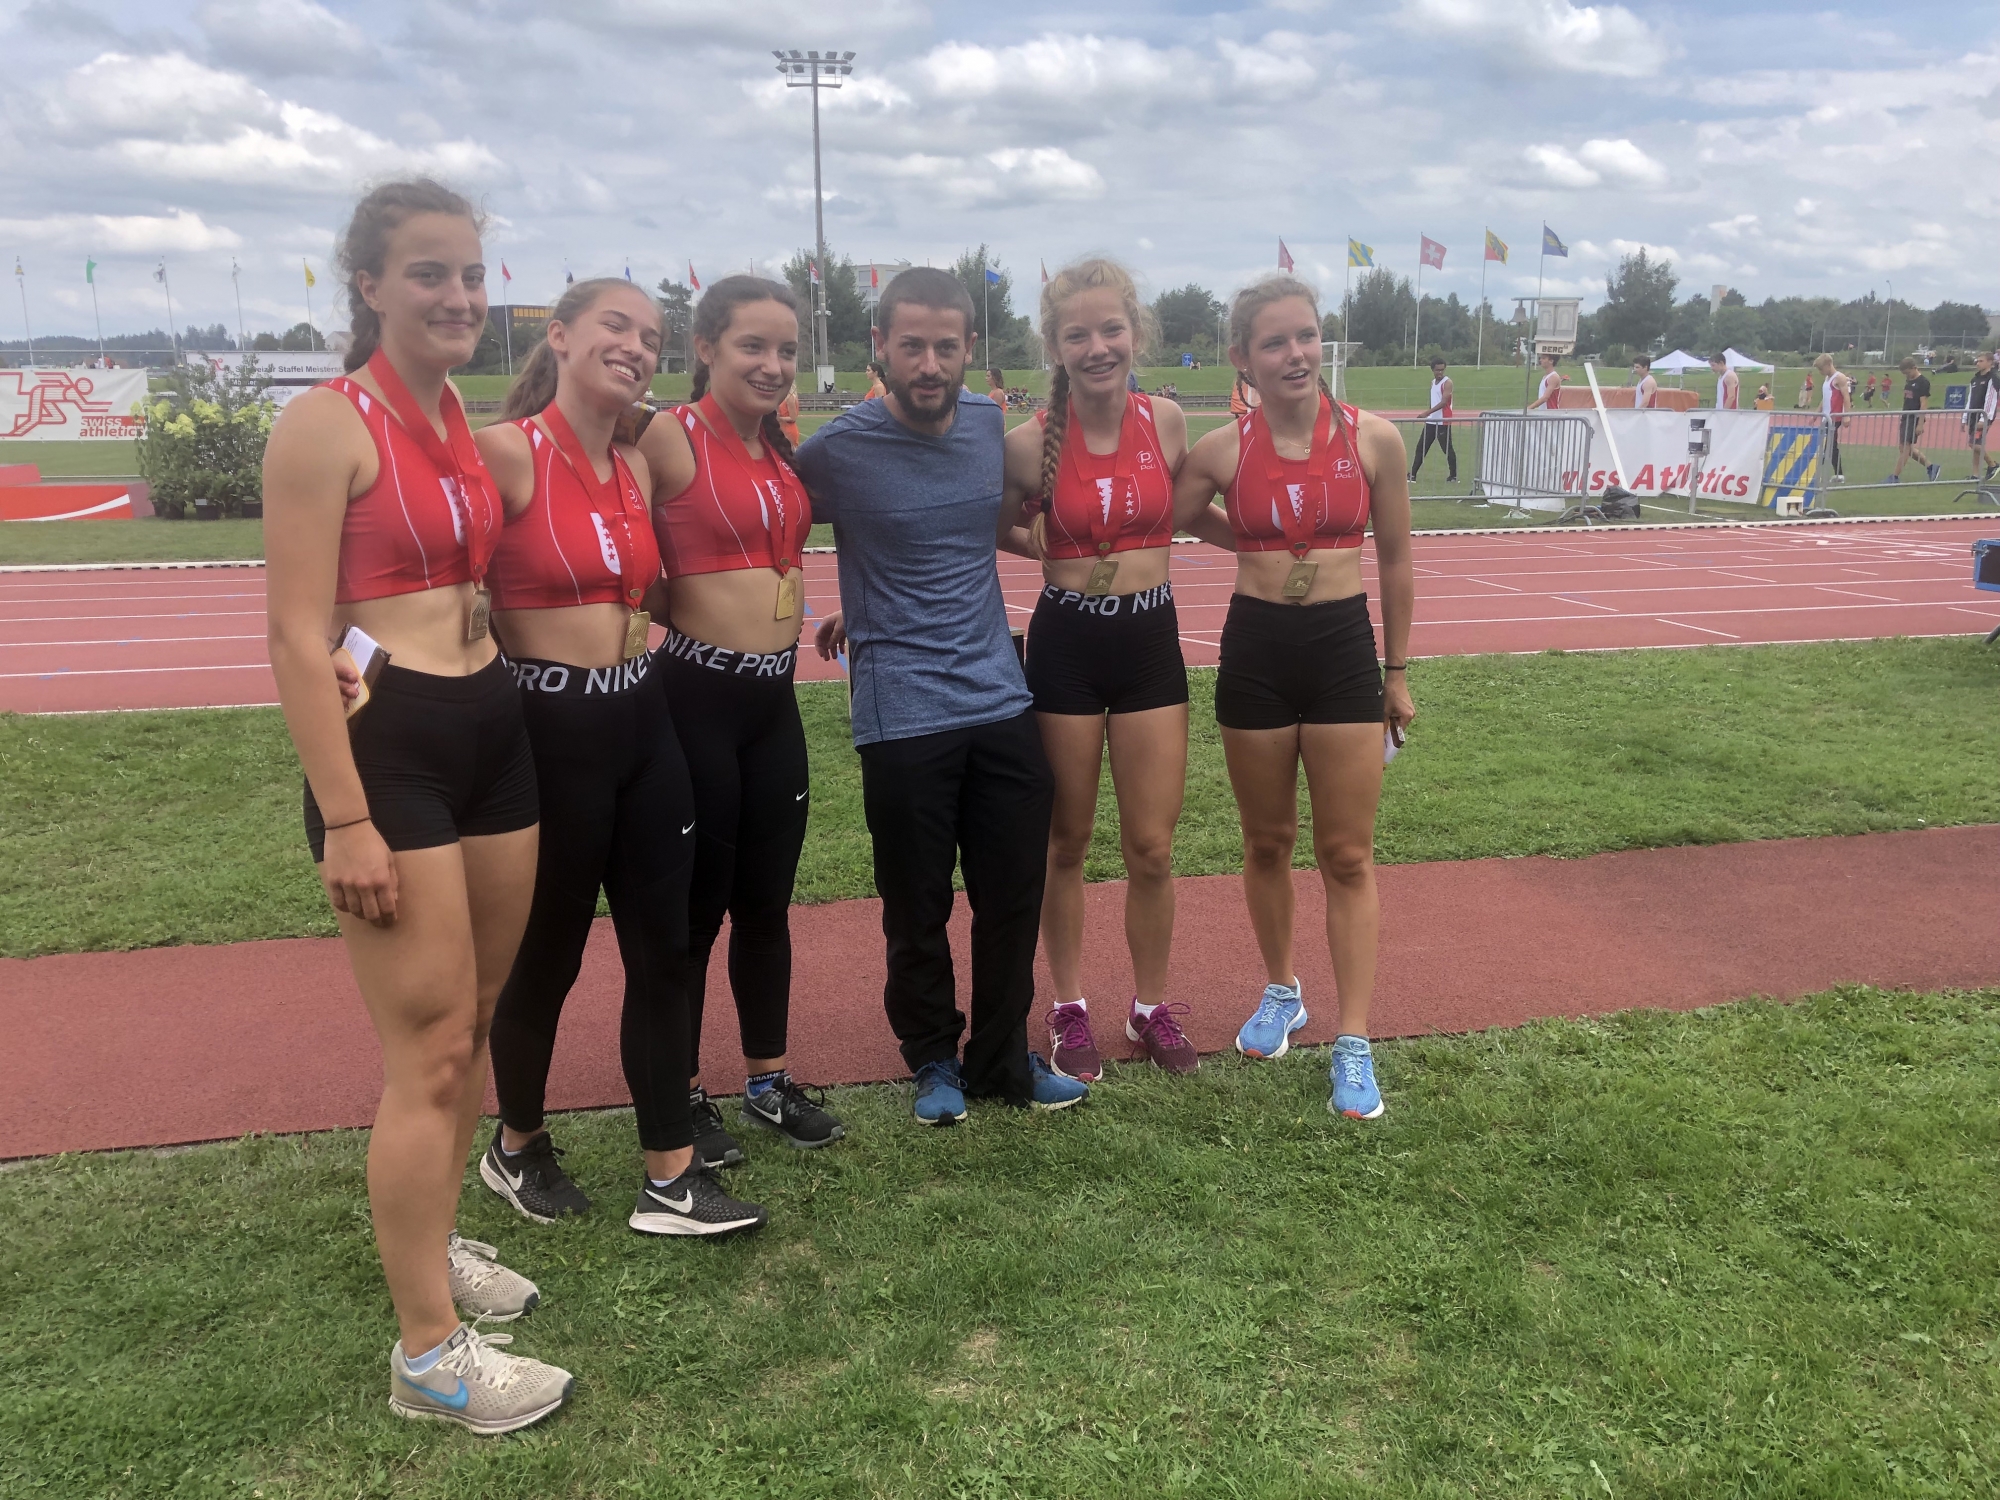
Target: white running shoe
476	1386
480	1285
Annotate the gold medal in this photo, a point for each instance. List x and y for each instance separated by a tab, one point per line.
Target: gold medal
635	633
1102	576
1299	582
788	597
479	620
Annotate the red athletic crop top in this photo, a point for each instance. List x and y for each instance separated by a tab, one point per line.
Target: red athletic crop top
1109	502
581	540
737	511
432	516
1277	504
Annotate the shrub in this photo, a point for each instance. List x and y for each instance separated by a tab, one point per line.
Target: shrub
205	437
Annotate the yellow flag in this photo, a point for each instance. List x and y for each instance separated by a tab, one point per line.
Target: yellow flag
311	280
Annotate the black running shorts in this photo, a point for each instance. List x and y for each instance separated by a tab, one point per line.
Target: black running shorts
441	758
1106	653
1286	664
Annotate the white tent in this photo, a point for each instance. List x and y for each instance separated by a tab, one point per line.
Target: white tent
1678	362
1737	361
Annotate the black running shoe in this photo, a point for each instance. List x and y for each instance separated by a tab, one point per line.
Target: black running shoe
693	1204
796	1111
715	1146
532	1179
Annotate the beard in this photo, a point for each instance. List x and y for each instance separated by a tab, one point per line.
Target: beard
926	403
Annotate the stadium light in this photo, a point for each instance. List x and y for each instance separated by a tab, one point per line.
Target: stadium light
817	70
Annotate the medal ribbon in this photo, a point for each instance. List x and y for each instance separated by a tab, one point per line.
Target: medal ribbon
454	455
607	497
1298	527
779	503
1106	521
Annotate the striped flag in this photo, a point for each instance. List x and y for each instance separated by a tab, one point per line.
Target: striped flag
1551	245
693	280
1359	254
1284	257
1496	248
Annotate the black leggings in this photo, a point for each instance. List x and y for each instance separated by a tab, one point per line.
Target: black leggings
1438	433
738	720
616	812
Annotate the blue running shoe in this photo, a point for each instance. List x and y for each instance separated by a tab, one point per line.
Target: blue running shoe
940	1093
1936	471
1268	1033
1354	1091
1048	1089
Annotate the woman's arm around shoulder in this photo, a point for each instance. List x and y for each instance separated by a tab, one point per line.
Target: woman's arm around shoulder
1022	482
668	458
1170	424
1207	471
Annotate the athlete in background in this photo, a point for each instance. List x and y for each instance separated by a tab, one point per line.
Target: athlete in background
420	806
732	520
574	579
1916	396
1298	683
1552	383
1978	416
1094	476
1644	388
1437	425
1833	402
1728	386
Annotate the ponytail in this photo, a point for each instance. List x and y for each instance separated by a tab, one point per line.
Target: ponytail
1055	427
535	387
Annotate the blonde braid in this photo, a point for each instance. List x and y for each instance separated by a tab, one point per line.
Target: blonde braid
1054	429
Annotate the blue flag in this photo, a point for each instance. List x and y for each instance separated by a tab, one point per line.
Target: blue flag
1551	245
992	277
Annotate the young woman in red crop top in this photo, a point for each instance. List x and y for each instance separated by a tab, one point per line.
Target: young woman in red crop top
572	581
1303	477
1094	478
732	520
421	807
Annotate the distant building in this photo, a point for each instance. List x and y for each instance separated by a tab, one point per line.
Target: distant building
871	276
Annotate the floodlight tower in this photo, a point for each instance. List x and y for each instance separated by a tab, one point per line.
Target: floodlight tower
816	71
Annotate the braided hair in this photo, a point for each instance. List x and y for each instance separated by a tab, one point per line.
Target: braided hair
364	247
1253	299
712	317
1082	276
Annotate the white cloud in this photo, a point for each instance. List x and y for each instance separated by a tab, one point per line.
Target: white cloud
285	36
732	23
1596	162
1536	34
165	95
121	234
1048	174
1011	176
1732	229
1276	67
1072	66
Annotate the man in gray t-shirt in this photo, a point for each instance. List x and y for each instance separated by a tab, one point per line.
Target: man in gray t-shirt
952	769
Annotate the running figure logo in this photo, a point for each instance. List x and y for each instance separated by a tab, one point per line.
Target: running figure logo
68	404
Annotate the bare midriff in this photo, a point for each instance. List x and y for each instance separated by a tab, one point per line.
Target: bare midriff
1141	568
578	635
1262	575
423	631
736	609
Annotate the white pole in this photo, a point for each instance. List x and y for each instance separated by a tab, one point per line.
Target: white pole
309	315
168	287
1418	337
21	280
235	272
98	318
1479	354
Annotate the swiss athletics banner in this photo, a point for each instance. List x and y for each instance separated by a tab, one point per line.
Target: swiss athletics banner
67	405
1654	446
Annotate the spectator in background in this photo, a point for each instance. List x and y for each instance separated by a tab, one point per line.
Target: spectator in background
996	387
1977	401
1833	402
1728	388
1645	389
875	385
1805	401
1916	396
1868	392
1763	398
788	414
1242	397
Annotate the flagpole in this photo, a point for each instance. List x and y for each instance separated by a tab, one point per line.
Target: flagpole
1527	364
167	286
1346	288
96	317
986	300
235	272
21	280
507	317
1479	353
1418	337
309	306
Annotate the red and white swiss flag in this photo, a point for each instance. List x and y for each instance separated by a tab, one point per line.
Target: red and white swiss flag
1284	257
1432	252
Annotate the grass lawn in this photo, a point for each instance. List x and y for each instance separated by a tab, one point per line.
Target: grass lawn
1746	1252
147	540
133	830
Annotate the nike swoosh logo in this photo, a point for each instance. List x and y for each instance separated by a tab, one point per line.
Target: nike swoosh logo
801	796
686	1201
513	1179
684	830
456	1400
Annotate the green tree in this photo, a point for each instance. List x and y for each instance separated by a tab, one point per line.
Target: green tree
1380	313
847	314
1010	342
676	302
1188	318
1638	301
1958	323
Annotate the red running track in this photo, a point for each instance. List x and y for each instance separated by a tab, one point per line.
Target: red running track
76	641
186	1044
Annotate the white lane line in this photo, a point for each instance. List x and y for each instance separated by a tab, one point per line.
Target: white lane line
1724	573
1587	604
235	666
135	640
126	599
1662	619
1828	588
186	614
1782	609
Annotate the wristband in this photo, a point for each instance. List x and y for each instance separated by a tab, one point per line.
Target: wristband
350	823
1395	666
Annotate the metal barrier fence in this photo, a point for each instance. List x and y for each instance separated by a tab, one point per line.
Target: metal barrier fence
1867	449
1526	462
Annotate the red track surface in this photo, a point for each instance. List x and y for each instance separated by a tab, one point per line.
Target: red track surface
184	1044
185	638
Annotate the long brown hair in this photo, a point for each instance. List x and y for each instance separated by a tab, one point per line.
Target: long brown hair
364	246
1082	276
712	317
1253	299
535	387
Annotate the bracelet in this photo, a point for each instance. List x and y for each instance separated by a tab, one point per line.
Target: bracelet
350	823
1395	666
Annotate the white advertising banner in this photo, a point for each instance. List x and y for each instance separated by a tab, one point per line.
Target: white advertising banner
69	405
1657	464
288	366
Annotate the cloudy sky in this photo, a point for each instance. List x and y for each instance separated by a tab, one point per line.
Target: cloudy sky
1776	146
